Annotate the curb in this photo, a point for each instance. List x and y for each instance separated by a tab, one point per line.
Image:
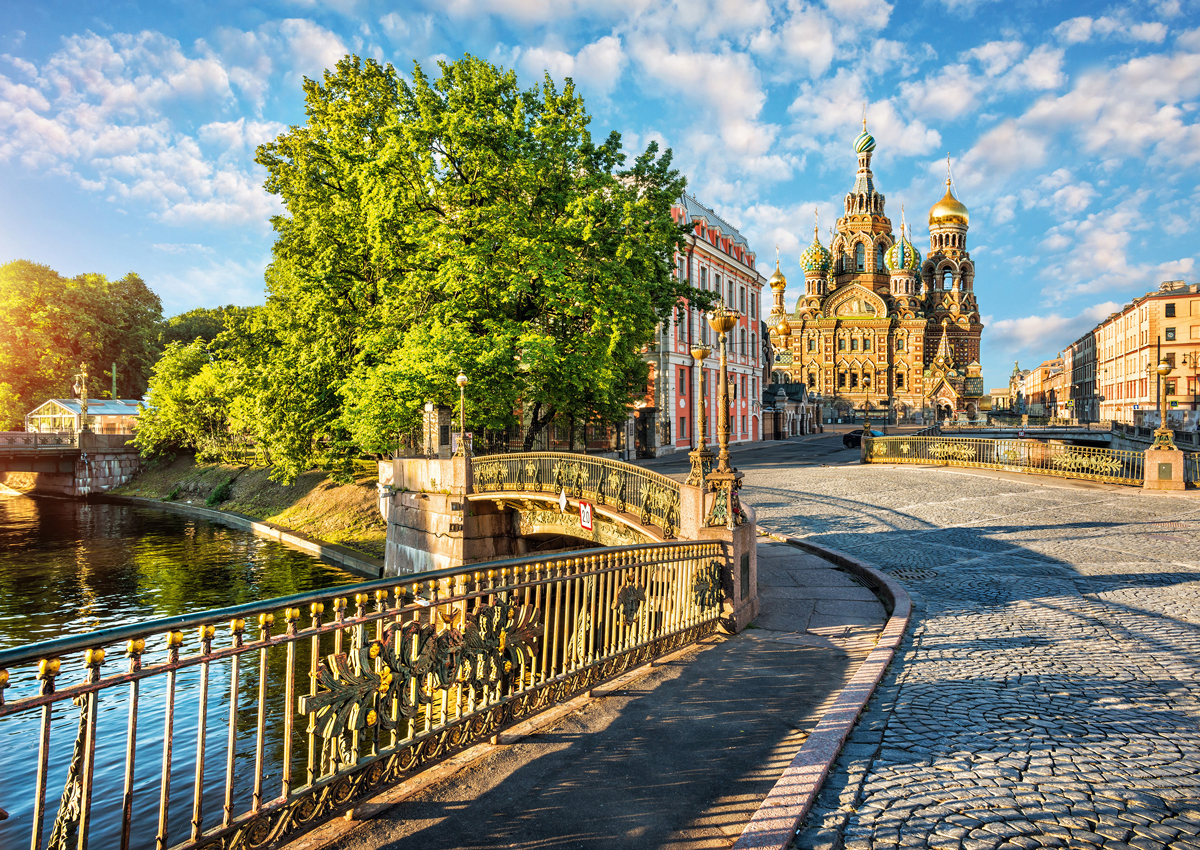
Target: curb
355	562
775	822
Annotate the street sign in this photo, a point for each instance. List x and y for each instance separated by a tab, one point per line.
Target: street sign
585	515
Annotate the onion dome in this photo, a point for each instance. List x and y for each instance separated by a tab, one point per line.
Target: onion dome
783	327
777	281
949	210
902	256
865	143
816	258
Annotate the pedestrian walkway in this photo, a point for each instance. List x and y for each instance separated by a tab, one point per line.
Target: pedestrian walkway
1048	693
679	756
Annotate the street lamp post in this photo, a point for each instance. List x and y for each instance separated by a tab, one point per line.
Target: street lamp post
461	380
81	389
701	457
1191	360
1164	438
725	481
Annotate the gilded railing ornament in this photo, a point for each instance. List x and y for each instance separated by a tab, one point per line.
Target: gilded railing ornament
629	601
707	590
358	689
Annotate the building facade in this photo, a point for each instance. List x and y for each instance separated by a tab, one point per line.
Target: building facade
1113	365
715	257
881	330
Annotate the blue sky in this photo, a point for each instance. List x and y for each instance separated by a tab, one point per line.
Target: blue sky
127	129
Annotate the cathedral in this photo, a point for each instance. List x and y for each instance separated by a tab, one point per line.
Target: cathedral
880	330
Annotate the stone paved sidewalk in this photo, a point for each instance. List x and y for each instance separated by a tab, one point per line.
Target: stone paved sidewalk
1048	694
678	758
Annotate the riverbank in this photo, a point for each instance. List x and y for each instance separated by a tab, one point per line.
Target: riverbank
314	506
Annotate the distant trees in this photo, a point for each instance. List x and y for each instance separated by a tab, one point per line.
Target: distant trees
51	324
204	323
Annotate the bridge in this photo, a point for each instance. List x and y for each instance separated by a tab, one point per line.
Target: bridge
354	693
65	464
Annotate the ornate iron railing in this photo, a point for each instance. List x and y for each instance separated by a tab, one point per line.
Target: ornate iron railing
652	498
1191	468
306	714
33	440
1111	465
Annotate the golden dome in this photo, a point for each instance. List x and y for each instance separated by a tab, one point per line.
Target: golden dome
949	210
777	281
784	327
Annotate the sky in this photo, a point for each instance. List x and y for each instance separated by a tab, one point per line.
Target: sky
128	129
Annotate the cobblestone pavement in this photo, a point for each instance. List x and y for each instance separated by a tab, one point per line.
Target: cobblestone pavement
1048	692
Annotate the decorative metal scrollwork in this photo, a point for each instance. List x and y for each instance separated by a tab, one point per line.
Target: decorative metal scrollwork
707	590
358	690
629	601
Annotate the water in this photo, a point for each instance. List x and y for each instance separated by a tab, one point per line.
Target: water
69	568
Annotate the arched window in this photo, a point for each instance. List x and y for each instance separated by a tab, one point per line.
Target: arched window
899	380
947	280
880	252
860	257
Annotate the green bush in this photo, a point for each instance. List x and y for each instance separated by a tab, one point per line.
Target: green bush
220	495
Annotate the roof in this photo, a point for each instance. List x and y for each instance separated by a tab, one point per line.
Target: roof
97	406
693	209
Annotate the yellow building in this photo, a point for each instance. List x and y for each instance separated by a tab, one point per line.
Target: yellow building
880	330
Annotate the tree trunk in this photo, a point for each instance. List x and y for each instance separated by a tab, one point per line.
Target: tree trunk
536	424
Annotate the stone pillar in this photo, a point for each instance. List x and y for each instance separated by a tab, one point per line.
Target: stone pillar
436	428
1163	469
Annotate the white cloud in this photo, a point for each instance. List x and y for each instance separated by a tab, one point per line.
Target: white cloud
181	248
597	66
868	14
1005	148
996	57
1082	29
1045	332
312	47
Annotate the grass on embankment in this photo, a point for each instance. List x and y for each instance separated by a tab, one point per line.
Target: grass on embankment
347	514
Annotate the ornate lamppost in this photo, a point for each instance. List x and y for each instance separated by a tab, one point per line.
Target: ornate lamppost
701	457
461	380
725	481
1164	437
81	390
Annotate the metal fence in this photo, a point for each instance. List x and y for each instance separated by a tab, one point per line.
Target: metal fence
1111	465
1191	468
247	726
34	440
653	498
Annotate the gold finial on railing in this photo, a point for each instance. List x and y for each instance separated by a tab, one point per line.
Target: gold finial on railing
48	668
237	625
207	632
381	599
174	639
135	647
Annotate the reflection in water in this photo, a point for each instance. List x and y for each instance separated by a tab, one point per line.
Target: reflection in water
69	568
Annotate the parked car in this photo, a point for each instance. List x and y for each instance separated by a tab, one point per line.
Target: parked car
854	439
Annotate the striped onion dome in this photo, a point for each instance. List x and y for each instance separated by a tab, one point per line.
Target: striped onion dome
902	256
865	143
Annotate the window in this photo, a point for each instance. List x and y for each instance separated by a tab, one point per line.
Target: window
704	278
947	280
900	343
683	431
880	250
1169	386
842	344
717	286
1170	358
841	380
683	382
743	423
742	299
754	346
743	386
899	380
812	344
860	257
866	343
682	269
1170	334
812	380
853	380
854	345
730	302
753	305
1170	311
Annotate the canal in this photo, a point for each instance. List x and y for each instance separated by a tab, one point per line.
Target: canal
67	567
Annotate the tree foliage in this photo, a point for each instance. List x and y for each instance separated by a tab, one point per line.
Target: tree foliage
456	224
204	323
52	324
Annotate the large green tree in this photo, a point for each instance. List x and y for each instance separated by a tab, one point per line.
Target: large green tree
455	224
204	323
51	324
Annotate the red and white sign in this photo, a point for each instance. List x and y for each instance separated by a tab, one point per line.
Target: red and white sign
585	516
